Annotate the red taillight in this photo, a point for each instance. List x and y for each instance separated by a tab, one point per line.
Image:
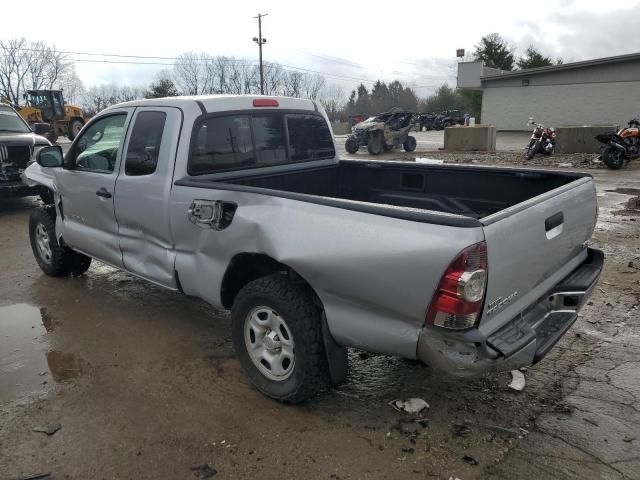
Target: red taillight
460	294
265	102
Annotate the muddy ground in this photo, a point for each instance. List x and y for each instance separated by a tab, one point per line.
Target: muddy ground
143	384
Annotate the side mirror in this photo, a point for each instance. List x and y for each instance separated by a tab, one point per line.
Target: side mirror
50	157
530	121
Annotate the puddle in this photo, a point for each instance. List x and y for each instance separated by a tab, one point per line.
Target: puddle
27	364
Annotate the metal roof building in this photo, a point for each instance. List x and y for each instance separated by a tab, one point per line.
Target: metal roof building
604	91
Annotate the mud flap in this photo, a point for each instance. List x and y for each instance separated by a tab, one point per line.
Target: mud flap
336	355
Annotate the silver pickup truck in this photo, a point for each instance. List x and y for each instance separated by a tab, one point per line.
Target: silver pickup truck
243	202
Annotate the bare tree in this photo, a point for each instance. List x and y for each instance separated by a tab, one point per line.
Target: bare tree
14	67
190	73
333	100
28	65
71	86
99	97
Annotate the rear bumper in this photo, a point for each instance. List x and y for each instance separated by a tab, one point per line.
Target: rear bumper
522	341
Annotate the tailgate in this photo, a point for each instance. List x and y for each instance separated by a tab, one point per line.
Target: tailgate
529	242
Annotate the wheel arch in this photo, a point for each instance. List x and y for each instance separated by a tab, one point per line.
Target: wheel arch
246	267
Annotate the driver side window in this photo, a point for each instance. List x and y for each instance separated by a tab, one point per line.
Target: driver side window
97	148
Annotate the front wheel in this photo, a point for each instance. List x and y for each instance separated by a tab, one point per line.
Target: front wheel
351	145
277	335
410	144
533	148
53	258
613	158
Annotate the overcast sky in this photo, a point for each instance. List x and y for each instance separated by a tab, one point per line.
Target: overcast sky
414	42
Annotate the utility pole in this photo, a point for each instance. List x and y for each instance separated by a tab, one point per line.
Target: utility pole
260	40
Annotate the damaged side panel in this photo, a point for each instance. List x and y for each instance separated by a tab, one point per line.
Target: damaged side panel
374	274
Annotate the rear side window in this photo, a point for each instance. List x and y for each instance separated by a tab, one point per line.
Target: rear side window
144	145
237	142
309	138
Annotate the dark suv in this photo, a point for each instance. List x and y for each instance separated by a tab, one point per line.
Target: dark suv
18	145
448	118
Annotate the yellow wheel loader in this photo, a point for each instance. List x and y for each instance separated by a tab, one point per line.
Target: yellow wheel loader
50	116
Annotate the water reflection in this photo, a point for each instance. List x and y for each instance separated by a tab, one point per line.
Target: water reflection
27	364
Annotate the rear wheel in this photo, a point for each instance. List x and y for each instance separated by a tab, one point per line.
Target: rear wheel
54	259
277	334
74	129
351	145
446	125
374	145
410	144
613	157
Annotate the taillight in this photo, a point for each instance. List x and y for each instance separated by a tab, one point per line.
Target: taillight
458	300
265	102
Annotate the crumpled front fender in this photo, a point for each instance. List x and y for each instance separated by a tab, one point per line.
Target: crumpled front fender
34	175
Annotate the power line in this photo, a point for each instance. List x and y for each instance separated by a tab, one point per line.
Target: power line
176	61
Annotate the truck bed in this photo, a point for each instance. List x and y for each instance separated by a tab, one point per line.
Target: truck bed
475	192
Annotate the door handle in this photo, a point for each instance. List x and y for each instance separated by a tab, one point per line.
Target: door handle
103	192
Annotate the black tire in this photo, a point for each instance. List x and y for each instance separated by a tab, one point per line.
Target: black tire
410	144
375	144
446	125
533	148
294	304
56	260
73	129
612	159
351	145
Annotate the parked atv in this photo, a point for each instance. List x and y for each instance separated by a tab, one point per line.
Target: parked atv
384	132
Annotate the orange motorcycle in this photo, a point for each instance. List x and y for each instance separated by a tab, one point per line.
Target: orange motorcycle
621	145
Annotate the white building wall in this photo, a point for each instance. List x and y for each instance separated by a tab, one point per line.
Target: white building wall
606	103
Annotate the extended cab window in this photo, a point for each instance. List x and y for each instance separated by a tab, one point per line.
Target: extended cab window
144	144
97	148
236	142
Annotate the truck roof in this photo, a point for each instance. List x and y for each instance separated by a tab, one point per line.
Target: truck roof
219	103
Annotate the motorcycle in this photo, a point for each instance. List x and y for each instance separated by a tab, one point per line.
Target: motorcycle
621	145
543	140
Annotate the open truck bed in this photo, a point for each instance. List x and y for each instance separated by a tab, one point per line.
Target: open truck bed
469	191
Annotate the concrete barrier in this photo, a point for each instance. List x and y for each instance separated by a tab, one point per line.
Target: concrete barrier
340	128
478	138
580	139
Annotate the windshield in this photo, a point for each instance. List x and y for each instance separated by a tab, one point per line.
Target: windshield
10	121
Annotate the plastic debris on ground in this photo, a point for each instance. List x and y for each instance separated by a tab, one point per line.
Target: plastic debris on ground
48	429
517	380
410	405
